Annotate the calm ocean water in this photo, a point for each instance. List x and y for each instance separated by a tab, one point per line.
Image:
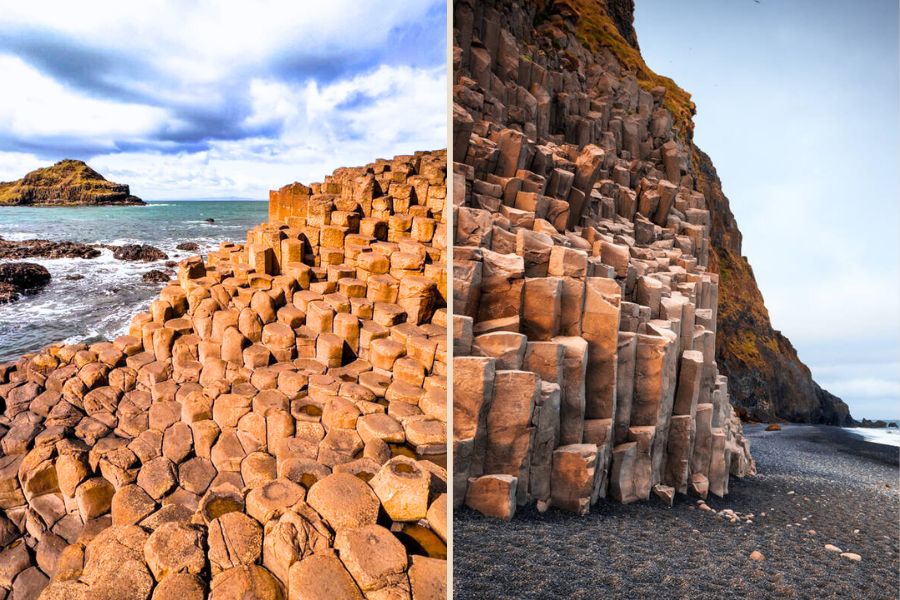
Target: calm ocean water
102	303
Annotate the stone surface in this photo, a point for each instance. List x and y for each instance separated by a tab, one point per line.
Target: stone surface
278	393
68	182
585	258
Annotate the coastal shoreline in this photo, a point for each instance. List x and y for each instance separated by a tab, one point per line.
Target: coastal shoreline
811	478
70	204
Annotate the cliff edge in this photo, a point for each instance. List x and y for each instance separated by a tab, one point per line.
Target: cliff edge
67	183
767	379
598	90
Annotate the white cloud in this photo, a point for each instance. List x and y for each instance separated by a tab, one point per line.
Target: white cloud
192	99
35	106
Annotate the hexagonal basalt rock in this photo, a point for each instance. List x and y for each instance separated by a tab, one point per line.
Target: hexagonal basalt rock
234	539
298	533
374	557
218	448
344	501
247	581
175	547
321	576
402	486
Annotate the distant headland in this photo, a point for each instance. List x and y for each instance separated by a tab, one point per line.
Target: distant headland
67	183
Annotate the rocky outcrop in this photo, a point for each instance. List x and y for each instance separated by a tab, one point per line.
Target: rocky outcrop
274	426
155	276
585	310
768	380
19	278
138	252
68	182
49	249
45	249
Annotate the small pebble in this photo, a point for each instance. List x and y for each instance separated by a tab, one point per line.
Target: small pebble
757	555
833	548
851	556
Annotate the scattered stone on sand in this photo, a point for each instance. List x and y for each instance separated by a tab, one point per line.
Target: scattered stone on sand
852	556
18	278
189	246
757	555
833	548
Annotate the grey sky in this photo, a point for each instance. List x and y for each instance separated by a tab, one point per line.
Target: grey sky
797	104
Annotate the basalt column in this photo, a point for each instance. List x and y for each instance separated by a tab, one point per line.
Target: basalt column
581	246
272	422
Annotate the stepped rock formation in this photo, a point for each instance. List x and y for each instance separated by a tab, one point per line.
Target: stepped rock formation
273	427
585	308
67	183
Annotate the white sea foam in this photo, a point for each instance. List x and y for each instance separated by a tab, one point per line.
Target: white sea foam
124	241
18	236
889	436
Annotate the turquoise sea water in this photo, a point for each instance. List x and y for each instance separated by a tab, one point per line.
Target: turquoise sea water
102	303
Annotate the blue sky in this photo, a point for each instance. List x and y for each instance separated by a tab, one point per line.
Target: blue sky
207	99
797	104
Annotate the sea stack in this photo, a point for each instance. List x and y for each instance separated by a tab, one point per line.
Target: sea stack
67	183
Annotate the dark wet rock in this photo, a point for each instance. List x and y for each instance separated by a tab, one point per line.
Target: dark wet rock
138	252
45	249
210	220
189	246
8	293
21	278
155	276
75	277
877	424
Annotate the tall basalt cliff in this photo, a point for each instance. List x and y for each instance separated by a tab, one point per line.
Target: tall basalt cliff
593	46
67	183
584	306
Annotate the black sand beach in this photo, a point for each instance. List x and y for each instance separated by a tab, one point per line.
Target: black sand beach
845	493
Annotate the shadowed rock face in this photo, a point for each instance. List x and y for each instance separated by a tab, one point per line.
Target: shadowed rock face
68	182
